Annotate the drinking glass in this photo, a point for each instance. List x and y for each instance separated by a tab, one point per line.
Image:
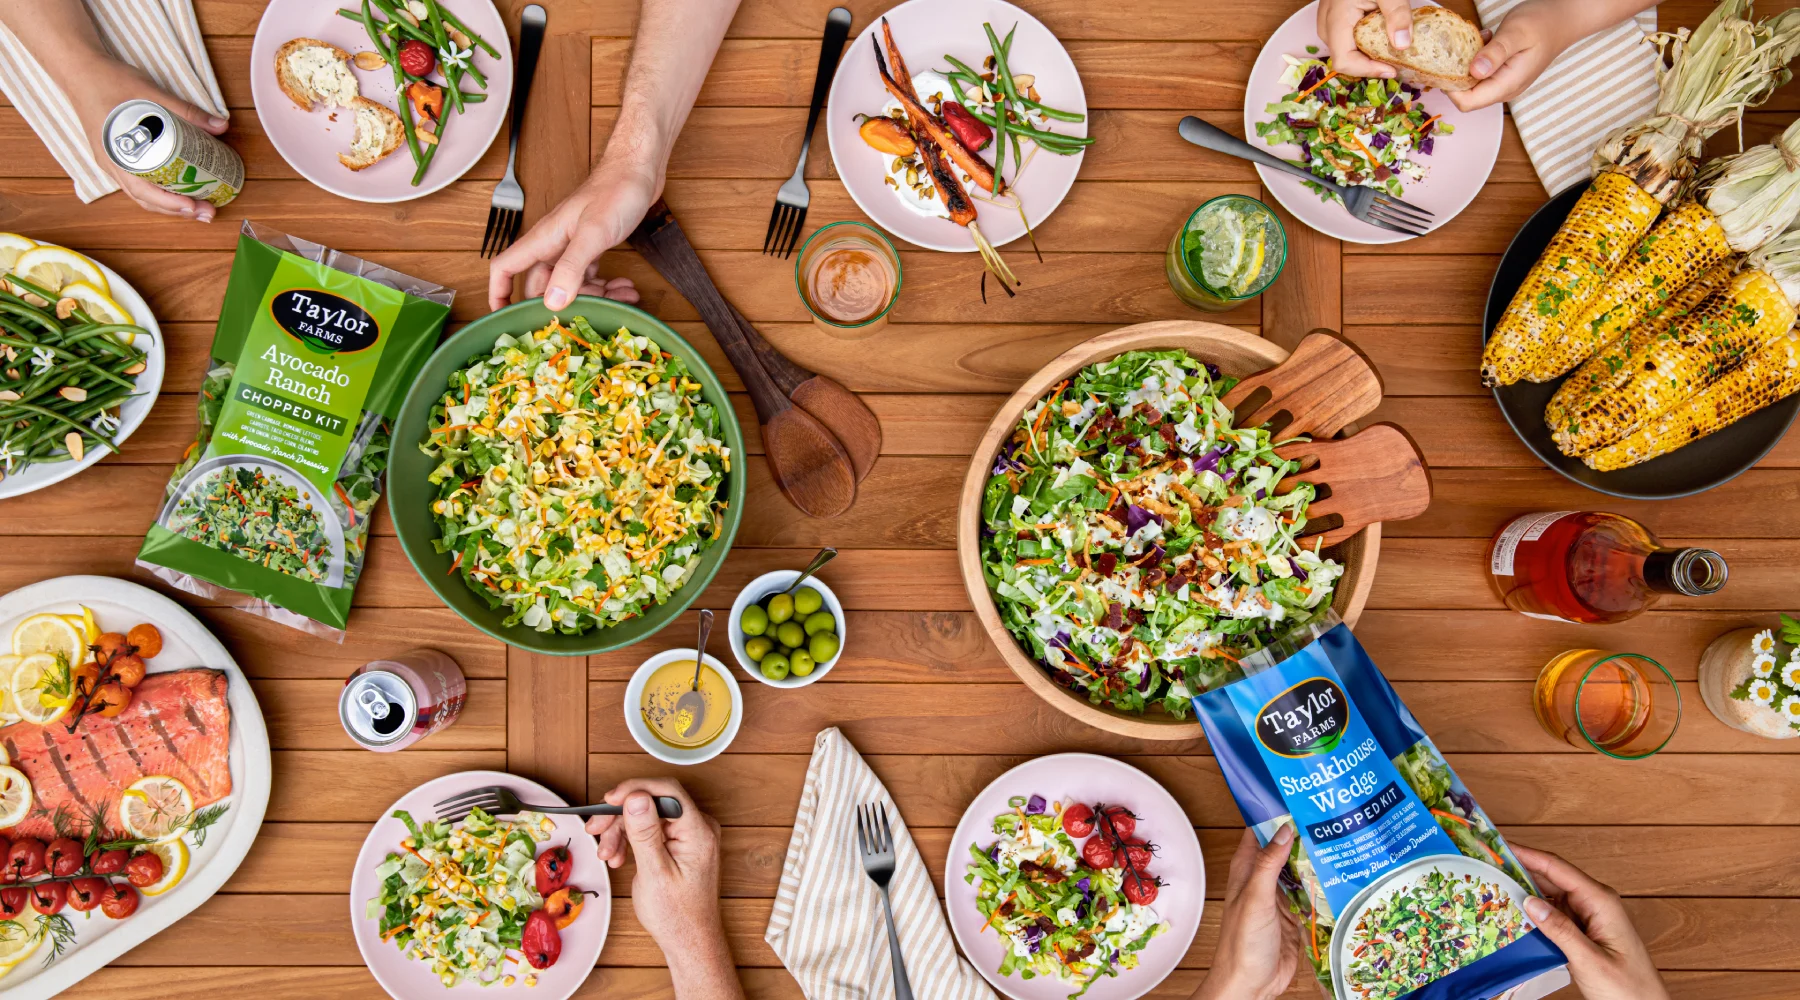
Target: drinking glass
1237	226
1624	705
872	255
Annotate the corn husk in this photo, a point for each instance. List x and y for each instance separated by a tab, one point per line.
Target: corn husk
1780	259
1754	195
1723	67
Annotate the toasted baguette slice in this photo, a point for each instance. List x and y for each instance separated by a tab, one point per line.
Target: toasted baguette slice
311	72
1444	43
378	133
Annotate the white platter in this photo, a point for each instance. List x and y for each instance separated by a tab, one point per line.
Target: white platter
119	604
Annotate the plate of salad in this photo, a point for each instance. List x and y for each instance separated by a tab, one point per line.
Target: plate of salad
492	903
1414	145
1074	875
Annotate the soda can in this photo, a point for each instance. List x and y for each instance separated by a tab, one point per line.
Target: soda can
391	704
150	141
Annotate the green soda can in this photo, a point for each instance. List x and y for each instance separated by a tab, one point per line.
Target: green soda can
150	141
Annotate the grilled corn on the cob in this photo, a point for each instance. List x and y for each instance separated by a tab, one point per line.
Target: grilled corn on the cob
1598	377
1770	374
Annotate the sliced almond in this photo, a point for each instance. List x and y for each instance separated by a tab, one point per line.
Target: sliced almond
427	125
1023	81
72	441
33	298
418	9
407	16
73	393
368	60
461	40
7	395
11	355
426	137
1032	94
65	308
12	374
136	369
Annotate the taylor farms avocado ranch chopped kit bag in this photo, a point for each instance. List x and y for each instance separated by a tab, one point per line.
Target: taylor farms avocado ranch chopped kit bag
1402	886
269	508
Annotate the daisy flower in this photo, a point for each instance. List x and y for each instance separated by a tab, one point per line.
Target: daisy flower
1790	674
1764	642
1763	665
1762	692
1790	708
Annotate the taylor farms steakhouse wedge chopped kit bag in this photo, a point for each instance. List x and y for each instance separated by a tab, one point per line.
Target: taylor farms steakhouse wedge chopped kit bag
1402	886
269	509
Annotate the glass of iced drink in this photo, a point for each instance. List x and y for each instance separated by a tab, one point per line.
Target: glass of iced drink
1229	250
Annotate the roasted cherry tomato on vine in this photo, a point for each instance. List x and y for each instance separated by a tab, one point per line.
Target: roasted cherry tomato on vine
49	897
541	941
564	905
147	640
143	870
64	857
109	862
86	677
110	644
1122	822
553	870
1097	855
110	700
1139	853
416	57
129	669
118	900
13	901
25	859
1141	891
84	893
1078	820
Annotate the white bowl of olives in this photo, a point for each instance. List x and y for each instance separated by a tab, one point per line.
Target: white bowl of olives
787	640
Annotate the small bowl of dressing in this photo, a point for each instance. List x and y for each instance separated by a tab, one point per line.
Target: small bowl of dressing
665	731
848	274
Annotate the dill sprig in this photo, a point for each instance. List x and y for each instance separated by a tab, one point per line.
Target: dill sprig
59	930
199	822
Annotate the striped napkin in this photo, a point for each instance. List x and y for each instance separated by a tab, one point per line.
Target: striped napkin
159	37
827	926
1606	80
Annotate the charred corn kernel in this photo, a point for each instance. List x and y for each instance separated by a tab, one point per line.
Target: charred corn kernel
1608	220
1701	349
1612	368
1770	374
1683	248
499	473
508	980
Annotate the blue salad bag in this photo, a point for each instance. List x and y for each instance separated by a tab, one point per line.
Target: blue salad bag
1314	737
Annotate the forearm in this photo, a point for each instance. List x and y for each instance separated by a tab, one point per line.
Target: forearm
676	42
702	968
59	32
1581	18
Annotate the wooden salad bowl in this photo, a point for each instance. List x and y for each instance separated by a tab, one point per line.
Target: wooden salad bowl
1237	354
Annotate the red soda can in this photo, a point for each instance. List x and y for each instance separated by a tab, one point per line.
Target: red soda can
391	704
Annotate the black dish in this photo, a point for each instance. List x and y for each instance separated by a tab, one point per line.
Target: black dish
1709	462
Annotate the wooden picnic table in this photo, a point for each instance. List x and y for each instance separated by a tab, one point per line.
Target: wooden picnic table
1699	839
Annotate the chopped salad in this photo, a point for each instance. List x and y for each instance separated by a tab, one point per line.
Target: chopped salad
1132	538
245	511
579	476
458	897
1350	130
1459	920
1060	916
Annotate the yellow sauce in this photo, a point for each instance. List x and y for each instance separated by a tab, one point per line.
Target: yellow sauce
675	726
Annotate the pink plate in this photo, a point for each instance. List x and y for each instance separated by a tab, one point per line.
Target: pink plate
1088	778
311	140
410	979
926	30
1458	166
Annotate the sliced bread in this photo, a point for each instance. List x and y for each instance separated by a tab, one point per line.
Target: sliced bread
378	132
311	72
1444	43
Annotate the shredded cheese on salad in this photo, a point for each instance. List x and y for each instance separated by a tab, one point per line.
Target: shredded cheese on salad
579	477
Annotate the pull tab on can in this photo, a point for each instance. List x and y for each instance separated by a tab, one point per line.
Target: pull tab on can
377	709
147	131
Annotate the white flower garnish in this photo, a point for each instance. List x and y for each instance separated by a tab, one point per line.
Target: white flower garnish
451	56
7	454
1763	665
42	360
105	423
1762	692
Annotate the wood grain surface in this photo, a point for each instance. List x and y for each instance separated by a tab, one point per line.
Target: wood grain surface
1699	839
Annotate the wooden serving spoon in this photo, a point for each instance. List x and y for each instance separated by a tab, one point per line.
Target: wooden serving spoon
1323	387
841	411
1376	474
808	462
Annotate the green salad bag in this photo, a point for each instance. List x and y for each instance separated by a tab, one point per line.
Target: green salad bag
269	508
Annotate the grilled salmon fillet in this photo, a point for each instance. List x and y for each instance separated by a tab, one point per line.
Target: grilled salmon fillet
178	724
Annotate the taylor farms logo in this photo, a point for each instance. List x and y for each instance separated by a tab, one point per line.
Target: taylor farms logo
323	321
1306	719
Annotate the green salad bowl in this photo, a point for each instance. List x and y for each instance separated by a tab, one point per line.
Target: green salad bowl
410	493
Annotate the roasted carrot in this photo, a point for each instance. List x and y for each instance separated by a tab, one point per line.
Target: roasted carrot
925	121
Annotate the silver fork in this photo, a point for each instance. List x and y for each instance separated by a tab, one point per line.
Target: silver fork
876	843
1363	203
508	204
791	202
498	801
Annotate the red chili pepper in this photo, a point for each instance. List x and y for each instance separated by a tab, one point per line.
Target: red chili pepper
971	131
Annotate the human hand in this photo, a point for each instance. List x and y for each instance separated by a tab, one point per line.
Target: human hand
1529	39
1337	26
108	83
676	890
560	256
1607	958
1258	949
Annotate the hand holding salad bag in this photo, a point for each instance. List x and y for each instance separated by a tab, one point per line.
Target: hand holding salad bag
1401	883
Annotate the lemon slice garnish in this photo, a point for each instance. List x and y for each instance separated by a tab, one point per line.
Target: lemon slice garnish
11	246
1253	270
96	303
26	693
47	633
51	268
17	941
15	797
156	808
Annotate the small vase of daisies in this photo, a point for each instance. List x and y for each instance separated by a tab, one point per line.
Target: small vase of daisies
1750	679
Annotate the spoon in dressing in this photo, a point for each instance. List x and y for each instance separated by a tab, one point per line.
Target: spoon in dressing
692	703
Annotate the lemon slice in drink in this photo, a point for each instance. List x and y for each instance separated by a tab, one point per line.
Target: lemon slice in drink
156	808
15	796
18	940
52	268
11	246
28	693
96	303
47	633
174	855
1253	267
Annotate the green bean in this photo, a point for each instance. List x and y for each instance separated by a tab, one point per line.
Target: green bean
430	150
475	97
405	27
52	414
456	22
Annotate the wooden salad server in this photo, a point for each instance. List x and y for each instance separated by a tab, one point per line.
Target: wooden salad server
1323	387
1376	474
808	462
841	411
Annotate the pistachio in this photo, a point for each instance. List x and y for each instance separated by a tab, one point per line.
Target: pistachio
136	369
73	393
426	138
369	60
890	182
988	63
72	441
912	176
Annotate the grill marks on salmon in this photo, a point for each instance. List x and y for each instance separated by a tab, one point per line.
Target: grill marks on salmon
178	724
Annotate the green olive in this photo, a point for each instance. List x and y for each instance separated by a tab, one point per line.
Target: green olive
774	667
801	663
820	621
755	620
791	634
781	608
758	647
806	601
823	647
